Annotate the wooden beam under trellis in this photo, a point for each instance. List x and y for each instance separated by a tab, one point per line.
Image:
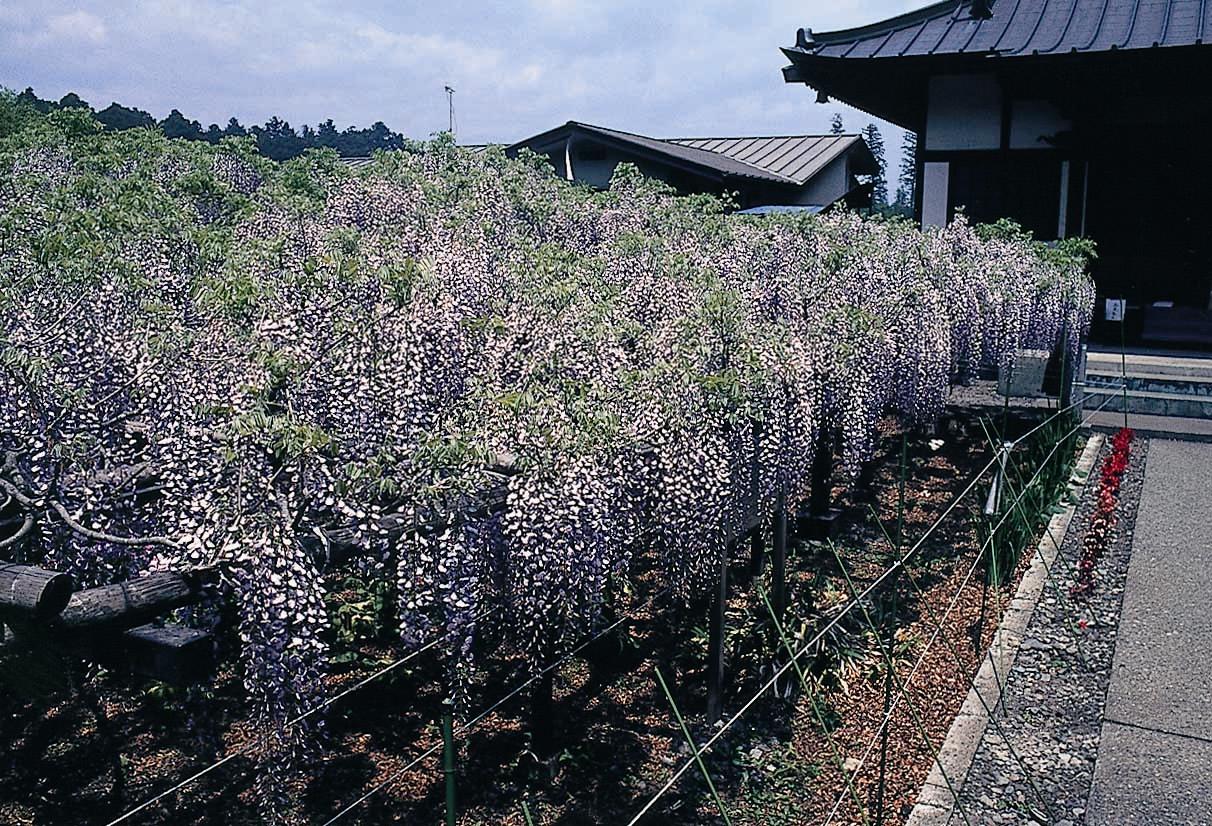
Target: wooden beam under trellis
54	627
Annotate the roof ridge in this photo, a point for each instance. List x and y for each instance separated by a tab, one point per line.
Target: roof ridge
934	10
763	137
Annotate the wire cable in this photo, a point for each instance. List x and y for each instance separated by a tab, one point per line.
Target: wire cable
292	722
900	563
951	606
467	726
815	639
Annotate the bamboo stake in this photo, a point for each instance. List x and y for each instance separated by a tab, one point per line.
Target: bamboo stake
698	757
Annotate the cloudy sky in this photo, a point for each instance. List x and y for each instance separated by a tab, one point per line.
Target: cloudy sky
666	69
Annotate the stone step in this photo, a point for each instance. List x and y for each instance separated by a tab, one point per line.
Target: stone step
1185	366
1152	382
1149	402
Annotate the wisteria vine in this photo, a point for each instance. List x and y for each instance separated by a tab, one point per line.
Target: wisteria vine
208	359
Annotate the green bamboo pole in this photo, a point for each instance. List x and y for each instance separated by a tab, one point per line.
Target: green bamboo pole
694	749
810	693
896	553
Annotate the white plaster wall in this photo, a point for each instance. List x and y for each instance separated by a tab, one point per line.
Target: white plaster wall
826	186
935	182
964	112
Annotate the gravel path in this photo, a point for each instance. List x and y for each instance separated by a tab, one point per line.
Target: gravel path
1035	763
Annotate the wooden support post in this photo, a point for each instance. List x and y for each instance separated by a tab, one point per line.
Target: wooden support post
542	717
1065	397
448	759
757	552
778	571
715	644
822	475
32	593
821	517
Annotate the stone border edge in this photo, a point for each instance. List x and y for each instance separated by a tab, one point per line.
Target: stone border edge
935	804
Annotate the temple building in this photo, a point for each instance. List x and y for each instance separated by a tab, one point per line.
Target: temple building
1072	117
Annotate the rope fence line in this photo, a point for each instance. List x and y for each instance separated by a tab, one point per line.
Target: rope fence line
871	587
902	688
248	746
782	670
989	710
470	724
938	629
243	750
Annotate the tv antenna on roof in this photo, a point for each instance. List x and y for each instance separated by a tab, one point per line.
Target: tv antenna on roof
450	102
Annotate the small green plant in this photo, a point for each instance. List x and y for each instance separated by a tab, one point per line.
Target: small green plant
359	613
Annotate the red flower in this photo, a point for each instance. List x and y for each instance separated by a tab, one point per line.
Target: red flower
1102	522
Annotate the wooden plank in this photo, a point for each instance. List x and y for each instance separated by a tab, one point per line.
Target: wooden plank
33	593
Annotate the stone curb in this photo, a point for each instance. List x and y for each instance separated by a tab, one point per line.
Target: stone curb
935	803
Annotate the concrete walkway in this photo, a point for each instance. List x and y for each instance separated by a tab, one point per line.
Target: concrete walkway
1155	756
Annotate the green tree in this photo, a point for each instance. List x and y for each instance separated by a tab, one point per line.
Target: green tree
835	125
28	98
73	101
327	134
907	179
177	125
875	142
116	117
278	139
16	113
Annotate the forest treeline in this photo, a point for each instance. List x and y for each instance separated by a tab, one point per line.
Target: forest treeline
276	138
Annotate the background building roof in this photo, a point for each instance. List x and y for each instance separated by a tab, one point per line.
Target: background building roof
788	159
796	157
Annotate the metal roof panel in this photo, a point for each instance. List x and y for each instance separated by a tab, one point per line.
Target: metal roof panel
1020	27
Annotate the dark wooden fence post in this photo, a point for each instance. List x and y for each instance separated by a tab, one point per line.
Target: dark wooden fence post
821	517
542	717
715	643
778	560
757	552
757	541
1065	396
448	759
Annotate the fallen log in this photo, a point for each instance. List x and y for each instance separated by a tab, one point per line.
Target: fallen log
33	593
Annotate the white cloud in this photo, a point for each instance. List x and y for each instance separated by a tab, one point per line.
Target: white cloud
702	66
76	25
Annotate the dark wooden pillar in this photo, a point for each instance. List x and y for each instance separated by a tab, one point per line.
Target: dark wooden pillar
715	644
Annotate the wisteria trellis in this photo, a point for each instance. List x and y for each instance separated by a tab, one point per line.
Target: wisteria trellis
210	359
